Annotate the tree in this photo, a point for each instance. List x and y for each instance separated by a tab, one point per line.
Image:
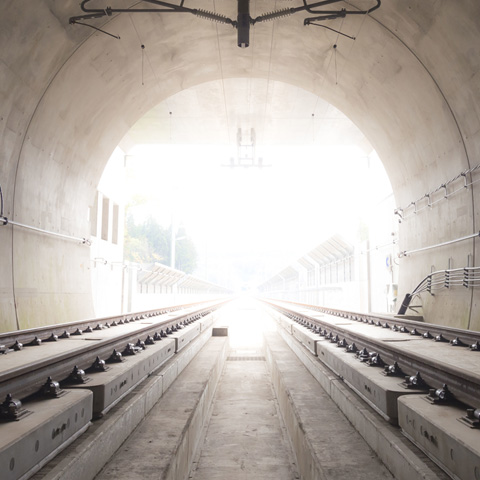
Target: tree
149	242
185	252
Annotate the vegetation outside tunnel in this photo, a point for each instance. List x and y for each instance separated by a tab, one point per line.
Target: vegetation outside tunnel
149	242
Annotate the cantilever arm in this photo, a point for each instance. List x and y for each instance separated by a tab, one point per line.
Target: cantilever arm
92	13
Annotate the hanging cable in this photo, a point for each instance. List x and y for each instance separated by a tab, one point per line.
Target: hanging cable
143	51
3	219
98	29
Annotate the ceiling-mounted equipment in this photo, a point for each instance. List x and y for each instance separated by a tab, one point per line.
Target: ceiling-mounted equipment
242	23
246	157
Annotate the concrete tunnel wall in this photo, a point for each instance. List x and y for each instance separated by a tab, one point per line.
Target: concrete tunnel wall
68	95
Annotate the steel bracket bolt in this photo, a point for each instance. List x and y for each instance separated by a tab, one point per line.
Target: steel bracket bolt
393	370
115	357
140	345
98	365
51	388
440	338
11	409
475	347
77	332
17	346
472	419
328	335
52	338
34	343
88	329
334	339
427	334
385	325
415	381
414	332
342	343
169	331
149	340
456	342
157	337
363	354
99	327
162	333
352	348
440	395
130	349
404	329
65	334
375	360
395	328
77	376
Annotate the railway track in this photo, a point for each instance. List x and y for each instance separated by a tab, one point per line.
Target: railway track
55	380
25	364
441	356
422	377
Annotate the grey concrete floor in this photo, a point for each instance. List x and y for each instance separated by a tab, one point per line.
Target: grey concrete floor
245	437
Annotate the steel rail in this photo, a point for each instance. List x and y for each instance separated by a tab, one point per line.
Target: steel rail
469	337
464	385
26	336
28	379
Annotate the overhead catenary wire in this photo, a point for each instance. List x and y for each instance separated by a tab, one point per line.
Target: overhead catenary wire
220	61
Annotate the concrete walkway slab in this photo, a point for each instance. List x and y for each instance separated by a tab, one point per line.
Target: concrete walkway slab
244	439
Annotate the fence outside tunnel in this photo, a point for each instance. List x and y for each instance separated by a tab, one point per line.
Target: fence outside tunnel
338	274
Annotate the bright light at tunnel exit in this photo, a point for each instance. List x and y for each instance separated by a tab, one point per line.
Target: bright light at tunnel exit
248	223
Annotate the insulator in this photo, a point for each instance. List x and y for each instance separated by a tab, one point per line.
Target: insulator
284	12
215	17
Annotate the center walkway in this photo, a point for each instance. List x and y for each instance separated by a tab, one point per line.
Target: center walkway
245	438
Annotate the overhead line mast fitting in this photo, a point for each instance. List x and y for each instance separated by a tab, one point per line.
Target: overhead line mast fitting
243	21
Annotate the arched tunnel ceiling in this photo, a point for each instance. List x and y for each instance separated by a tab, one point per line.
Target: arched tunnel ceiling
279	113
68	95
384	81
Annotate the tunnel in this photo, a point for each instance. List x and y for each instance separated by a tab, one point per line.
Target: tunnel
407	76
257	388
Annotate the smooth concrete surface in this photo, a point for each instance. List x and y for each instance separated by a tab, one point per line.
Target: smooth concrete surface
436	429
89	454
69	95
48	427
245	437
